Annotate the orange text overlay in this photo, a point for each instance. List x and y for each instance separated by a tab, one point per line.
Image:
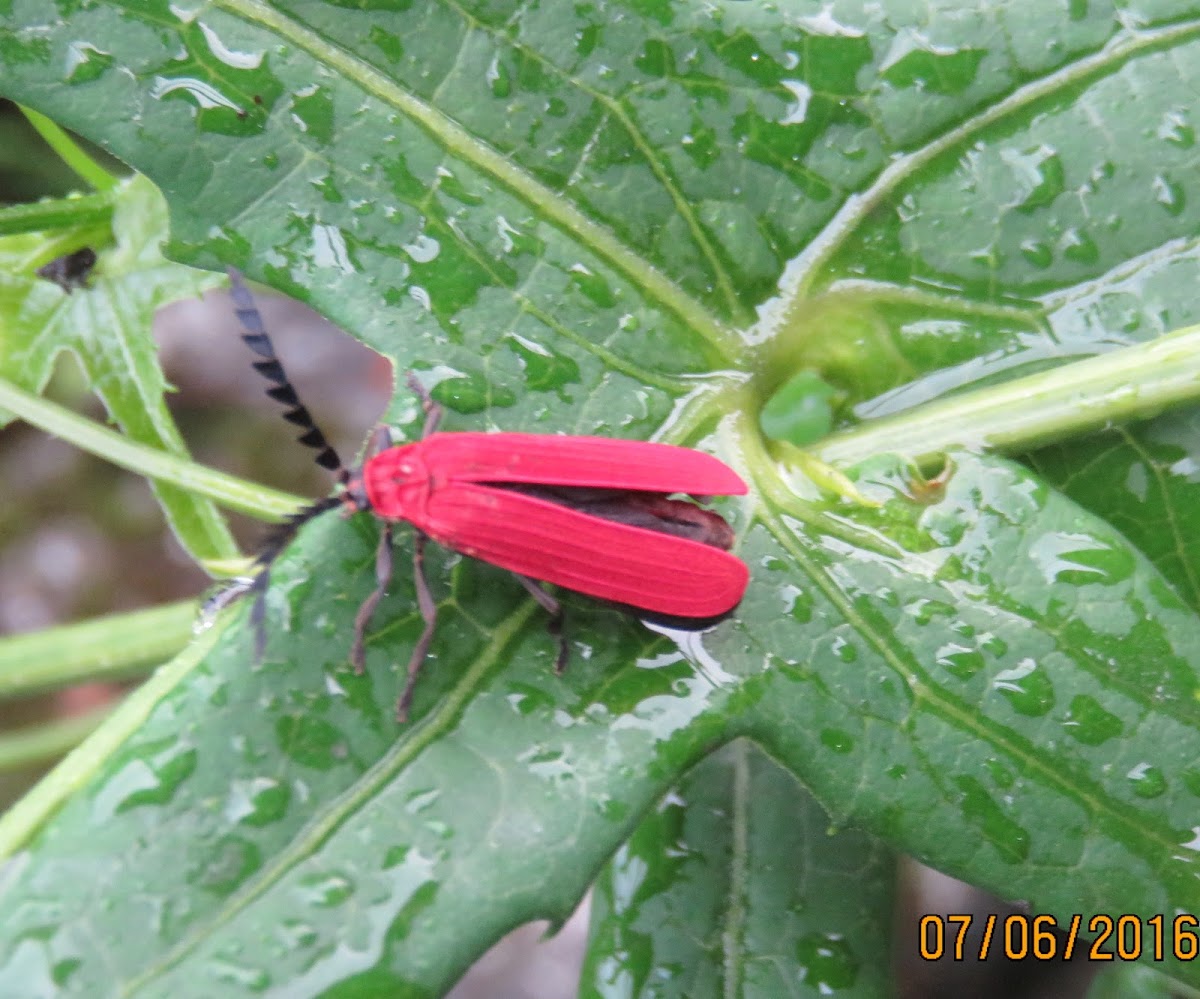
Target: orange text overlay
1042	938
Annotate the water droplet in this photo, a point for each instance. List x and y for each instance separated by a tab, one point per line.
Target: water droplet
1175	129
418	801
1194	842
656	59
548	764
1037	252
498	78
628	874
389	43
329	248
329	189
844	649
1148	781
1169	194
837	740
1002	776
325	891
421	297
1027	688
231	57
802	93
423	249
1191	780
203	94
1080	560
310	741
85	62
1037	174
151	779
224	866
254	979
797	603
586	39
981	811
915	60
295	935
827	962
593	286
257	802
993	645
1078	247
1089	723
312	111
63	971
959	661
923	610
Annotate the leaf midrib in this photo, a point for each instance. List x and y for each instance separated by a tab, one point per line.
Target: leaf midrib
541	199
326	823
1089	795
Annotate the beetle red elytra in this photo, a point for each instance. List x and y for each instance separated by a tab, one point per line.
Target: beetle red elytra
590	514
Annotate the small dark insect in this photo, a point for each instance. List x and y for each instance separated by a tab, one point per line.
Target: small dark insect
587	513
70	271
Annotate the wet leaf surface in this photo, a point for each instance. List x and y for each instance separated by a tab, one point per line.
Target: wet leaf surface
643	225
735	885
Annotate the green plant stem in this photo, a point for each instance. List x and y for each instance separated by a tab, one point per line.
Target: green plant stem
1133	383
91	172
56	213
106	648
21	821
40	743
227	490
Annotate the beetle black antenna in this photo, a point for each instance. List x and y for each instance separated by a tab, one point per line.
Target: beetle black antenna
254	333
278	538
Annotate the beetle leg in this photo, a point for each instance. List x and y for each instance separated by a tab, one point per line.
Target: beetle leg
555	624
429	613
433	412
258	613
381	440
383	576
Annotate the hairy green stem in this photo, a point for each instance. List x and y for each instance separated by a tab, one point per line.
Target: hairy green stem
227	490
22	821
106	648
42	743
88	170
56	213
1132	383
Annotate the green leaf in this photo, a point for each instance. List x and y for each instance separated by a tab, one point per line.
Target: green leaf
107	327
801	411
1132	981
640	220
733	885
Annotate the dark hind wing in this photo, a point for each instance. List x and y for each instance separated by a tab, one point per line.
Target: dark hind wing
664	573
